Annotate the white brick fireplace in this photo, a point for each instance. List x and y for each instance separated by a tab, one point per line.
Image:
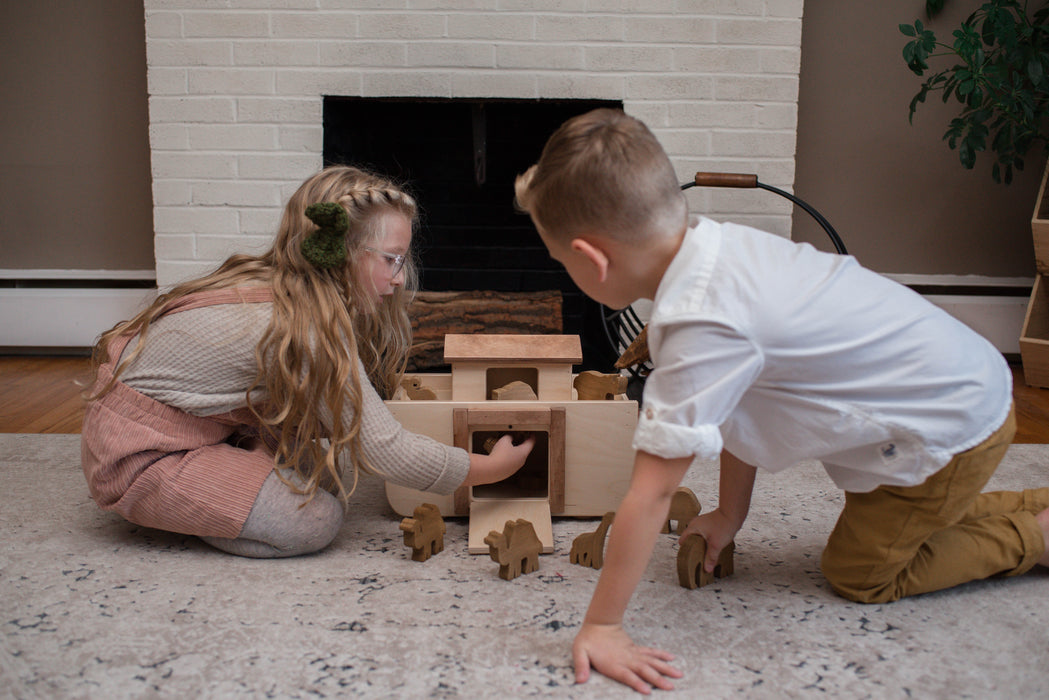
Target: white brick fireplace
235	92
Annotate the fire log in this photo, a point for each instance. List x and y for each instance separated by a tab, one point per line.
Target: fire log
435	314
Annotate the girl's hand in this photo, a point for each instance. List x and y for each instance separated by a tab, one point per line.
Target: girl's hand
504	459
717	529
609	650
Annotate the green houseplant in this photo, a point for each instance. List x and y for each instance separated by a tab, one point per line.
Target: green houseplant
1000	77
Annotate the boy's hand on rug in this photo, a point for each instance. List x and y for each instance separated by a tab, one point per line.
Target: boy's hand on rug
609	650
717	529
504	459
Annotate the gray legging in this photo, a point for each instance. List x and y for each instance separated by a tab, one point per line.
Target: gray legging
279	525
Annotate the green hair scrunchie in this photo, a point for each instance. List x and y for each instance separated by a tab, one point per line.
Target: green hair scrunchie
325	248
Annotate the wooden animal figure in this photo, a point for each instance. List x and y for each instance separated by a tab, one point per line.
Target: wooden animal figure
683	507
636	353
416	390
424	532
595	386
690	571
588	549
514	391
489	442
516	548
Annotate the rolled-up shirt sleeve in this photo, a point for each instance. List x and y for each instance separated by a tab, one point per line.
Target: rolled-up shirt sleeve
702	369
403	457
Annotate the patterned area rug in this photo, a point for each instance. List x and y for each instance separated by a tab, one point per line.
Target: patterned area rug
92	606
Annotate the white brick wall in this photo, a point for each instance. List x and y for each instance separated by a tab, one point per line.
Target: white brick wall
235	92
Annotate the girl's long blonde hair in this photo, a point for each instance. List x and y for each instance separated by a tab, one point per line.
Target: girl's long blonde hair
325	325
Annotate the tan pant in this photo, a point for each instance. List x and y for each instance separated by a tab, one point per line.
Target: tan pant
901	541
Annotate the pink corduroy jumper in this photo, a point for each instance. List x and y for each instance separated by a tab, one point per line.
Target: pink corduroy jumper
161	467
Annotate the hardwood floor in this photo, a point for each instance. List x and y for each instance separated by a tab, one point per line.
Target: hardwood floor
41	395
1032	411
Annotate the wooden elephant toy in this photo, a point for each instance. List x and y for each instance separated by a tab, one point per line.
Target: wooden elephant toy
683	507
690	571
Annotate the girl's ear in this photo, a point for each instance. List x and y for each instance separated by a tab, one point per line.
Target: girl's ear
594	253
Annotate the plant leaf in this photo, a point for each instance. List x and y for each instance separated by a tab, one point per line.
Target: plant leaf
1035	70
1000	76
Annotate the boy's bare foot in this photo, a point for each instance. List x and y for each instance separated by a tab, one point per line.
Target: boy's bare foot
1043	520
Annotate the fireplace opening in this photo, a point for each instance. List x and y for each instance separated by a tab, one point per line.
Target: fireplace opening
459	158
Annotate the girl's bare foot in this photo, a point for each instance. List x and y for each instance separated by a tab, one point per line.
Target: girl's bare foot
1043	520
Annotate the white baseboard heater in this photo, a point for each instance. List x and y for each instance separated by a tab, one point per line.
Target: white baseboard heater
66	310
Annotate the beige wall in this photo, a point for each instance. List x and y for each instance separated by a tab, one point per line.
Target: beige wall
74	148
895	192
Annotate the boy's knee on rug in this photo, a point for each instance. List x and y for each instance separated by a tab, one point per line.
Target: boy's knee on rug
1042	518
852	581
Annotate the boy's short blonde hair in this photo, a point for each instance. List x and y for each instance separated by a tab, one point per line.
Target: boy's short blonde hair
603	173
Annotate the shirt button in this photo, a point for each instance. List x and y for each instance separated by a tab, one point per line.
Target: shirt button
649	413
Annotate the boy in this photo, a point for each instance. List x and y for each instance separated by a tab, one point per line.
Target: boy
768	353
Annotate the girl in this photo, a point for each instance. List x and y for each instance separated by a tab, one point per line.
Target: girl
229	407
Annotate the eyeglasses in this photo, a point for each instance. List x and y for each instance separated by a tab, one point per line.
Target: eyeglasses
395	262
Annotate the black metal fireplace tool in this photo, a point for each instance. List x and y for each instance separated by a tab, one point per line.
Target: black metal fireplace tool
624	328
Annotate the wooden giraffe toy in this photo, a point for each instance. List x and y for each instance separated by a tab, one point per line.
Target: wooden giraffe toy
690	571
683	507
424	532
516	549
588	549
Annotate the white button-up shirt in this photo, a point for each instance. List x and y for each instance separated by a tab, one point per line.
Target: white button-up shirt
781	353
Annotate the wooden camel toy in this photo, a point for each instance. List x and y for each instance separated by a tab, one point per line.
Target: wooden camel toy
588	549
683	507
690	571
424	532
516	548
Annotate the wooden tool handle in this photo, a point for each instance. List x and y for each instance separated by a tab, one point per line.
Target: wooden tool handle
726	180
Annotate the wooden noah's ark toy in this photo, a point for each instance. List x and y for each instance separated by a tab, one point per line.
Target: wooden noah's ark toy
522	384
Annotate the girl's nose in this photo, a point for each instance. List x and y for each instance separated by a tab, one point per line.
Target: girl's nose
398	279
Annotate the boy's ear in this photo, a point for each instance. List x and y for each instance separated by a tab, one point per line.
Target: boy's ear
593	252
